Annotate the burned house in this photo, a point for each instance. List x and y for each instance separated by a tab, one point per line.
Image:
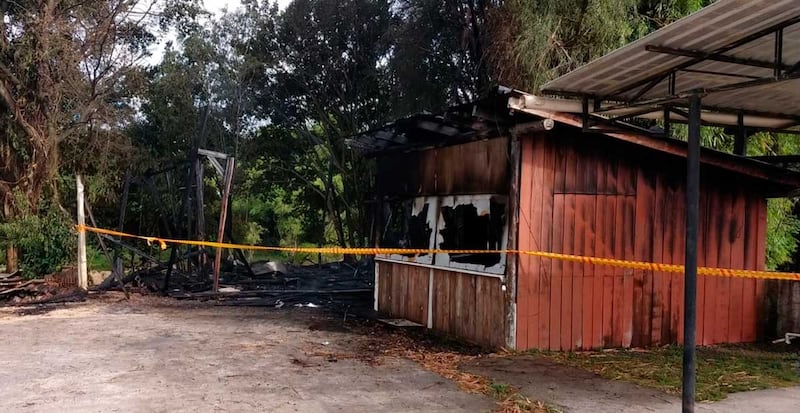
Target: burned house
501	173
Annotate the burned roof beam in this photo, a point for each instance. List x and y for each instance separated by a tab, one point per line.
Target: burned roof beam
703	55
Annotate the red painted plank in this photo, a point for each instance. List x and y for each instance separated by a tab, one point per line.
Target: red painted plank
749	301
596	247
582	311
546	239
572	287
643	280
711	251
659	304
678	257
537	192
628	236
527	268
736	316
703	227
723	293
761	261
622	316
590	309
606	212
556	310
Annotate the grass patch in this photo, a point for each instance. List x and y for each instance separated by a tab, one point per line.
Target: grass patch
720	369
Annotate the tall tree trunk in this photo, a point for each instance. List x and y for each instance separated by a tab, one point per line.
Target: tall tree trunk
12	262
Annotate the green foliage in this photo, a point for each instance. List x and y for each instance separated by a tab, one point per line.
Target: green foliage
46	241
783	228
96	260
546	38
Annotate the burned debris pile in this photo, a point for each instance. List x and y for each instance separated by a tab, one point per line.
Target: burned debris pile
58	287
187	271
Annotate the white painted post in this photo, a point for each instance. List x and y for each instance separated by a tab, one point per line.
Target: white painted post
83	278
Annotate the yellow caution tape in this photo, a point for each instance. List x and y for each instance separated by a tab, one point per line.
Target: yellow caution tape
610	262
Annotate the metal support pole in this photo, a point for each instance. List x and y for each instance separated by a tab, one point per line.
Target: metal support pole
83	277
690	278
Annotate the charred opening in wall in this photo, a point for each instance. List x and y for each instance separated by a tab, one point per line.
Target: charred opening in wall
468	226
404	228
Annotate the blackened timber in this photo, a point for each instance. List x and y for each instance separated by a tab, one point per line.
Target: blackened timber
223	214
170	265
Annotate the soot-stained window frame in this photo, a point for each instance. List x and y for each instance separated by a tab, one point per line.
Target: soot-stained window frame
437	223
417	207
483	205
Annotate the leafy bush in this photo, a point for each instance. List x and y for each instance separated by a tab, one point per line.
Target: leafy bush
783	227
46	241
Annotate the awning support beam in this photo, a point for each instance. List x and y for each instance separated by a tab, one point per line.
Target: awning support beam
699	54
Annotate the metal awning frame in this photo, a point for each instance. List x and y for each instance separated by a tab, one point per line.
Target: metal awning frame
677	102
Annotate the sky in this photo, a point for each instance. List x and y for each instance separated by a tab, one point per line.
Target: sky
217	5
214	6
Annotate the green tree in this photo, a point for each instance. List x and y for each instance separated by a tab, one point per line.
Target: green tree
67	69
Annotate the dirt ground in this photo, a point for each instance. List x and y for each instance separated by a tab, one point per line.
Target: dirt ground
153	354
158	355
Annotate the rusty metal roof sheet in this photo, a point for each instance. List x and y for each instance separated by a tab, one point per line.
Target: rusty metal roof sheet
743	56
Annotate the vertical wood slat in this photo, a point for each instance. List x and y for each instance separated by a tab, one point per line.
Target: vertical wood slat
701	262
556	282
622	316
738	252
528	271
537	204
546	279
569	293
659	305
710	251
761	262
749	297
627	292
643	280
678	254
723	290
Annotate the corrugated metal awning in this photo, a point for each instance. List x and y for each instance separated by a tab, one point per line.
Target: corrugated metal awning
742	56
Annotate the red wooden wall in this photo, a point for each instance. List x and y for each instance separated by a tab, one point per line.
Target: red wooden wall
468	306
591	195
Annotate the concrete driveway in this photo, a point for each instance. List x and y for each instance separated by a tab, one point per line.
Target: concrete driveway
155	355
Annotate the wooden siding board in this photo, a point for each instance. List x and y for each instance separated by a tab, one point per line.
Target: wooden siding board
538	204
702	244
557	311
643	280
546	242
749	298
607	213
571	289
528	271
659	304
723	290
738	252
710	250
677	224
761	262
628	233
